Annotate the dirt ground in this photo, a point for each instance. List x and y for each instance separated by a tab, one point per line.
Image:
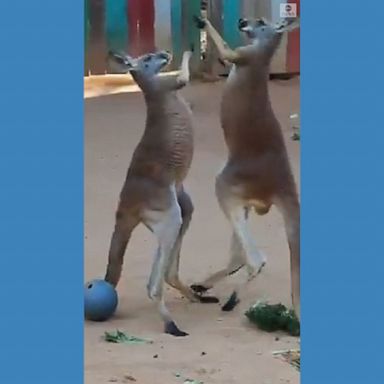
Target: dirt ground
222	347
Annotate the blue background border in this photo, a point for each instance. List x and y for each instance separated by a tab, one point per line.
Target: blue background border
342	192
41	204
41	192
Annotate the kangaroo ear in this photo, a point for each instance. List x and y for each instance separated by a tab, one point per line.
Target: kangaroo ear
243	24
119	62
120	57
288	25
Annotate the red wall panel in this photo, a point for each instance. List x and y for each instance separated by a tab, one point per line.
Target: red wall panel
293	46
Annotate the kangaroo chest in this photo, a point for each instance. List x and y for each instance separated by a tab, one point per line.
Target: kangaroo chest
168	138
247	118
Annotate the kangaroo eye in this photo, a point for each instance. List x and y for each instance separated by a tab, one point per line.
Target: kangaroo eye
147	59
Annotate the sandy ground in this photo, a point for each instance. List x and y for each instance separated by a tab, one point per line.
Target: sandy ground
222	347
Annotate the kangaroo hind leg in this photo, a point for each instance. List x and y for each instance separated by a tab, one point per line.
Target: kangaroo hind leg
124	226
172	273
289	207
166	226
236	263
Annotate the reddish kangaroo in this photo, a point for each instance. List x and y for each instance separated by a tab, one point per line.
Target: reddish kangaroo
257	173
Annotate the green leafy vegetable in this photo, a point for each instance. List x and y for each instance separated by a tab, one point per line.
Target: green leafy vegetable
121	337
271	318
296	136
188	381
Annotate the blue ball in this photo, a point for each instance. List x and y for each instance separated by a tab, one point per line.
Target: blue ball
100	300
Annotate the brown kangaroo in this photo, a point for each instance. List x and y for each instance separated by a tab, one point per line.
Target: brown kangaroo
257	173
153	192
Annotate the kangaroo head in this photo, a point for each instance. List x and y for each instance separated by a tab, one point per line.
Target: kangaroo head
266	35
144	69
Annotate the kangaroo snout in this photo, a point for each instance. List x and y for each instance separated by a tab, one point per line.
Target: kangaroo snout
165	56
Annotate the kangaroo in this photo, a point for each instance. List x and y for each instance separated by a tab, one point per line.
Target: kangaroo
257	173
153	192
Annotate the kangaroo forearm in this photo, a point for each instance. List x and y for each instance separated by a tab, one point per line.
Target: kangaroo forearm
173	82
225	52
179	80
184	73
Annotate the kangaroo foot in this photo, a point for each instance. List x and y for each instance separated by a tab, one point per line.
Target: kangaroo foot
231	303
172	329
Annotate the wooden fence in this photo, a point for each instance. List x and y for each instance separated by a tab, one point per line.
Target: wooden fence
138	26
